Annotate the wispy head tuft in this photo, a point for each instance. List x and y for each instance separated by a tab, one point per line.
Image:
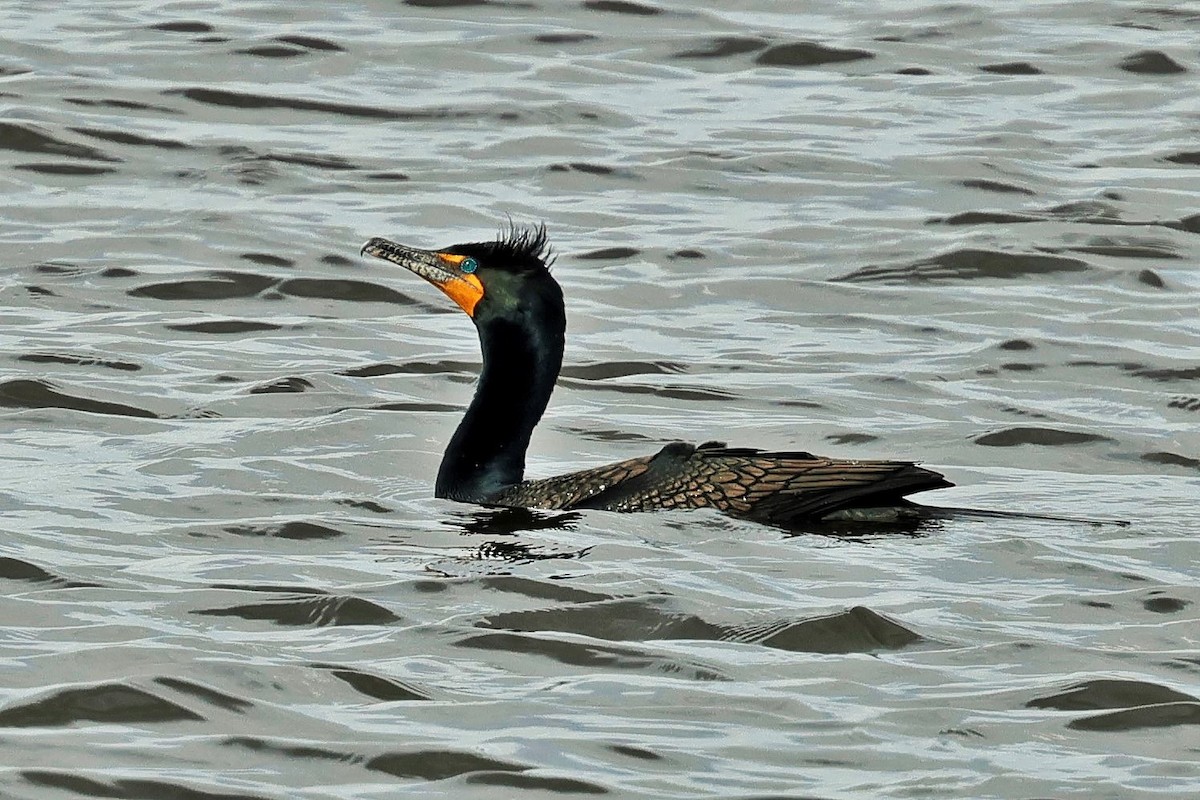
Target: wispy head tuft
518	248
526	242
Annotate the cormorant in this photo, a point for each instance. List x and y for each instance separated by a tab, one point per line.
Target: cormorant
506	289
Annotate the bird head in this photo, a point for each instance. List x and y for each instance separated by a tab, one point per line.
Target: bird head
508	278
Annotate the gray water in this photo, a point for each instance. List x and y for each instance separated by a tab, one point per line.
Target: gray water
962	234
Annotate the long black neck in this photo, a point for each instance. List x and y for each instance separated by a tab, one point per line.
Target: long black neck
521	360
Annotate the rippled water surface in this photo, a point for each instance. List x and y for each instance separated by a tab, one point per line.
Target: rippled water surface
966	234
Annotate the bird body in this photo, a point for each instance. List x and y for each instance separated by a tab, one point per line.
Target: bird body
506	288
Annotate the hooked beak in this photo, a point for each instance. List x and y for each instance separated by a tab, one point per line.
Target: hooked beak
440	269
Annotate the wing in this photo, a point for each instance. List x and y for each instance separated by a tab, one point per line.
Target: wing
573	489
777	487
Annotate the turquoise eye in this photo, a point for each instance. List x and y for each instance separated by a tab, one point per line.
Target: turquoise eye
469	265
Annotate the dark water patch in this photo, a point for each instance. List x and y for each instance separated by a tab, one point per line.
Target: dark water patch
564	38
1162	716
272	51
1151	62
267	260
982	218
1127	366
545	783
111	703
615	620
64	169
412	368
24	393
809	54
1086	211
27	139
640	753
59	269
1022	412
724	47
851	438
511	521
344	290
591	169
221	286
1168	375
333	259
1016	345
685	254
1172	459
230	99
610	435
605	370
195	413
1149	277
211	696
579	654
413	408
1051	437
995	186
253	170
311	160
387	176
183	26
1109	693
40	291
128	788
1127	248
1011	68
311	43
124	105
309	611
125	137
365	505
373	686
118	272
225	327
268	588
671	392
968	265
291	385
14	569
1190	224
1190	157
82	361
541	590
9	72
1021	366
1161	604
608	254
437	765
914	71
1185	403
294	529
622	7
288	750
858	630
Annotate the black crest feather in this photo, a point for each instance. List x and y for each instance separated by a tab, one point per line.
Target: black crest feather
519	248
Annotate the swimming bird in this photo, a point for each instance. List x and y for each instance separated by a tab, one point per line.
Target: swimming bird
506	288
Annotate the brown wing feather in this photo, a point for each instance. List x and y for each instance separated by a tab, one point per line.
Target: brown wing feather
780	488
573	488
